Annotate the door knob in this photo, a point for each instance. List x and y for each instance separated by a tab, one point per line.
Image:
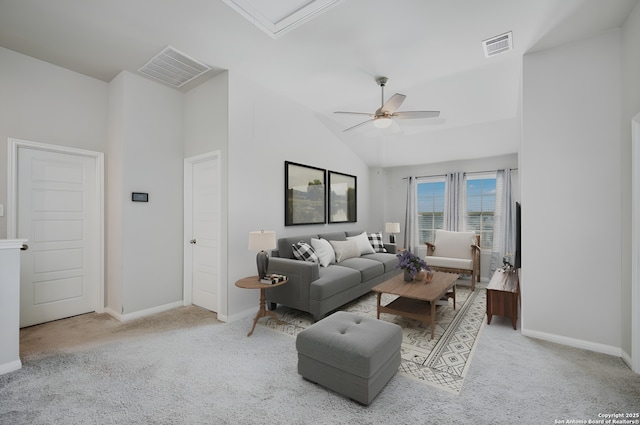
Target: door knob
192	241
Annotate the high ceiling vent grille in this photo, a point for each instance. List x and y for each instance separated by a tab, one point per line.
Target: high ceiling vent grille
173	67
499	44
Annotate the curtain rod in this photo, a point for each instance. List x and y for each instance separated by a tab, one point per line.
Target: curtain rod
489	171
470	172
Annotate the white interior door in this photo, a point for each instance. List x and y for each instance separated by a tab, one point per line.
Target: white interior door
58	212
202	210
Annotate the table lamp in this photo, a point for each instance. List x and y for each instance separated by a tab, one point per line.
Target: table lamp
392	229
262	242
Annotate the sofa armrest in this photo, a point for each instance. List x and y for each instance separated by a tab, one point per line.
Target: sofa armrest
391	248
294	269
300	274
430	248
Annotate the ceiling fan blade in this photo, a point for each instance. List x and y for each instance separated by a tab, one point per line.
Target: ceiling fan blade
416	114
391	105
354	113
357	125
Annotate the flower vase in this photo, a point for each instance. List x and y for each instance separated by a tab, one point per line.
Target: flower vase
407	276
422	274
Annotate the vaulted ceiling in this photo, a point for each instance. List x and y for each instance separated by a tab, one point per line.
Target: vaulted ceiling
431	51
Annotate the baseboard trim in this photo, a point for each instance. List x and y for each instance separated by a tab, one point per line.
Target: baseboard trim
241	315
142	313
10	367
576	343
626	357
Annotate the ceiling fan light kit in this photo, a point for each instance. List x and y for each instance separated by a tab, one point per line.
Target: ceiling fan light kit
386	114
382	122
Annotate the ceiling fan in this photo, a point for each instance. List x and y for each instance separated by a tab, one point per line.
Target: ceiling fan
386	114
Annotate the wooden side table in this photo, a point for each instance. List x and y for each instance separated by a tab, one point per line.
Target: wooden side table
253	282
503	294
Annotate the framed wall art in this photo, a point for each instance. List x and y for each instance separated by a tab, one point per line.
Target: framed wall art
305	195
343	199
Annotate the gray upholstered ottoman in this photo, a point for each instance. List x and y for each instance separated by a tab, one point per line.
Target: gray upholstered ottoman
353	355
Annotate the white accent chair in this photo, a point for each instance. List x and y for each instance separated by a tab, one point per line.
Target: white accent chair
455	252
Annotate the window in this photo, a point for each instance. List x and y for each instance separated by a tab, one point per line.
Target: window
430	205
481	201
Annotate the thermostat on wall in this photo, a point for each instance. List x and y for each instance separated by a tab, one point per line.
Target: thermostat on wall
139	197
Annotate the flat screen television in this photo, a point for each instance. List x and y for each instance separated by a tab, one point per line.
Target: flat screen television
516	261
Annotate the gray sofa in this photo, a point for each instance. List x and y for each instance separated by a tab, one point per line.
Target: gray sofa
321	290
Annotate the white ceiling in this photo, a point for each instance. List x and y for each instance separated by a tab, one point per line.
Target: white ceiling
430	50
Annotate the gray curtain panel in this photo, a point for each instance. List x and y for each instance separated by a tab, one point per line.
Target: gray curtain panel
410	217
454	210
504	221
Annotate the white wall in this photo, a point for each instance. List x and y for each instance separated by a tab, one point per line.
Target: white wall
265	130
630	109
206	117
45	103
395	191
571	200
114	217
150	137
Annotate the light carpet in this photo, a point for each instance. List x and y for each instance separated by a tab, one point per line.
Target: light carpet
215	374
441	362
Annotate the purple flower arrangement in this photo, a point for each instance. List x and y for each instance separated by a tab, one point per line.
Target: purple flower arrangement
411	263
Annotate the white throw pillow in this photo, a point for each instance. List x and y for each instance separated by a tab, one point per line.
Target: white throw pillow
324	251
345	250
363	243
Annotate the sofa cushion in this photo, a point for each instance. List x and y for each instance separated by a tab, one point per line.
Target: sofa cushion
389	261
333	280
345	250
368	268
324	250
284	244
305	252
375	239
363	243
452	263
454	244
334	236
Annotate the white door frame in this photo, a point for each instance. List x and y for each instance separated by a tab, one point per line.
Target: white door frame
12	196
187	280
635	245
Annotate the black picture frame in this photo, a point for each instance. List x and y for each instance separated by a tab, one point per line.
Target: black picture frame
305	194
343	198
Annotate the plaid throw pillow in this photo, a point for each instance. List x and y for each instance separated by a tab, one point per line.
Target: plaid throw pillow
376	242
305	252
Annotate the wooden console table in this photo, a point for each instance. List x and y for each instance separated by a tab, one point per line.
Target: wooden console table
253	282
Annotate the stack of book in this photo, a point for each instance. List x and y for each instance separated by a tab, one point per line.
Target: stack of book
272	278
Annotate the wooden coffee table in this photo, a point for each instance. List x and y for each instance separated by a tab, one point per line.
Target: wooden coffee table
417	300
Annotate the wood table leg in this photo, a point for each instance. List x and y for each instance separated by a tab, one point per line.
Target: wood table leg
454	296
263	312
379	300
433	319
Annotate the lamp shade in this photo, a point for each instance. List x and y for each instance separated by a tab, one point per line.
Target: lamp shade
262	241
392	227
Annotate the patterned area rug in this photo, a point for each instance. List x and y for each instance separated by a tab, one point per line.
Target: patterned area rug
441	362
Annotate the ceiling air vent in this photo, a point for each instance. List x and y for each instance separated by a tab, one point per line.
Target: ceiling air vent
498	44
173	67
